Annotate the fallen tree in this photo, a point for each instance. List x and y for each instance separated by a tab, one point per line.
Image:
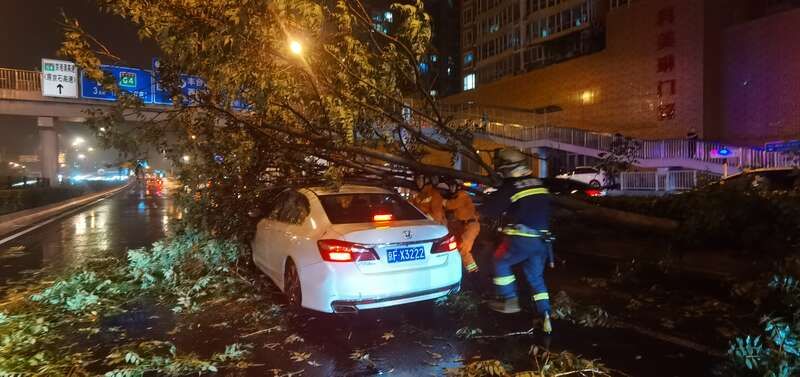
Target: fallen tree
614	216
295	92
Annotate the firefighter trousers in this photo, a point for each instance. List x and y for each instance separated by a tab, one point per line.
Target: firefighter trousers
532	254
468	233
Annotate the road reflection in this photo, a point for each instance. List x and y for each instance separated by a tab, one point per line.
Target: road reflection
133	218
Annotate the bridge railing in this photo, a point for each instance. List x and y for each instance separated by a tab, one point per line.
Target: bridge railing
515	125
17	79
674	180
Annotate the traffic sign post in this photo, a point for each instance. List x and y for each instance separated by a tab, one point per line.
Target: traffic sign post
135	81
59	79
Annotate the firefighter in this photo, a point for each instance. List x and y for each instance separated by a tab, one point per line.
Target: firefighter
526	235
430	201
467	225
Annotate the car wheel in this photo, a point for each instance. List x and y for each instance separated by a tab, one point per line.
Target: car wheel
291	285
594	183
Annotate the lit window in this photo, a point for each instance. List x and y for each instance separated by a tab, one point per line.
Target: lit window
434	58
587	97
387	16
469	81
468	58
423	67
433	93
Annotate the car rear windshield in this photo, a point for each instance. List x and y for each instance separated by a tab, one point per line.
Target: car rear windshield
362	208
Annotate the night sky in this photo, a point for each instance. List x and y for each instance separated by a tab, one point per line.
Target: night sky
30	31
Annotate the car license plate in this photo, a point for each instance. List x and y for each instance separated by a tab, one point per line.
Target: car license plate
405	254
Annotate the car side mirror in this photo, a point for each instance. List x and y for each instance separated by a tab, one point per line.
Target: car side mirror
254	213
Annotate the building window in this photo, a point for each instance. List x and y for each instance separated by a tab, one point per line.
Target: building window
469	82
468	58
620	3
423	67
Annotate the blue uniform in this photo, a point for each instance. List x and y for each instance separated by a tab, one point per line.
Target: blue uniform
526	205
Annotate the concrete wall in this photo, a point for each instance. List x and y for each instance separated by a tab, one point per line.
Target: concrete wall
616	90
761	80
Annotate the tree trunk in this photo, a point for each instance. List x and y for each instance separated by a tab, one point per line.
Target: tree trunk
613	216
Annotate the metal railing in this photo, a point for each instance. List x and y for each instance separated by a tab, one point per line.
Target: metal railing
17	79
522	126
673	180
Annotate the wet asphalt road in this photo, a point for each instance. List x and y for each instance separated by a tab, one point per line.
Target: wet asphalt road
423	339
132	218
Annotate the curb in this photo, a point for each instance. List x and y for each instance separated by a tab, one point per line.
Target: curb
16	221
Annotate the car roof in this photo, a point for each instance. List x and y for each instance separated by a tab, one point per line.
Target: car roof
348	189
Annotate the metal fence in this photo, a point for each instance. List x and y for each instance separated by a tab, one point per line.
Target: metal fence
511	124
673	180
17	79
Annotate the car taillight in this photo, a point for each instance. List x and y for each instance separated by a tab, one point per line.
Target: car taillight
384	217
444	245
594	192
343	251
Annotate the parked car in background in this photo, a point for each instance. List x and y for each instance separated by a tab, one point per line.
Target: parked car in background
586	174
560	187
566	187
353	248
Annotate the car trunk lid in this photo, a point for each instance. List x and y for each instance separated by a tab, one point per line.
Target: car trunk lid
400	246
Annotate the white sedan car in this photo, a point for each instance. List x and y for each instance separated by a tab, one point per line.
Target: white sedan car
591	176
355	248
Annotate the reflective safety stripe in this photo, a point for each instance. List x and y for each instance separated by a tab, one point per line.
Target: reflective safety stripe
504	280
472	266
541	296
517	232
529	192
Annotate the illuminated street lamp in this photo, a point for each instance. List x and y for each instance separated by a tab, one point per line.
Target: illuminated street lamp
295	47
185	158
78	141
91	149
81	156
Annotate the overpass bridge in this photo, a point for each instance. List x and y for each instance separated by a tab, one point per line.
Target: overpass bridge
21	95
514	128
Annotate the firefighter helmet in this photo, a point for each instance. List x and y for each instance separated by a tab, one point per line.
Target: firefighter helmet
511	163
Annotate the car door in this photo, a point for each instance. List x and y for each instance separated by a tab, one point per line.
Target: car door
288	230
268	236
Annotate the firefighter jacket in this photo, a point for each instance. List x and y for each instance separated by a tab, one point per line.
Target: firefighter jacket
430	201
526	204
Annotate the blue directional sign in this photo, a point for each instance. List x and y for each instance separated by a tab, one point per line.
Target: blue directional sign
782	146
190	85
132	80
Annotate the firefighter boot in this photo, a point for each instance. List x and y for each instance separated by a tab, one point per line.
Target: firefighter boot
547	327
507	306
